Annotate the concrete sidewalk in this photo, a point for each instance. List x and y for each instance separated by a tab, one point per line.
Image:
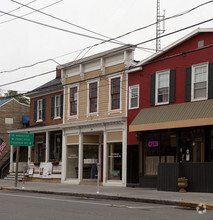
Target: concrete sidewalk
188	199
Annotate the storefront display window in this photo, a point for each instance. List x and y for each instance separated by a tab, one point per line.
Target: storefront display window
72	161
115	161
90	160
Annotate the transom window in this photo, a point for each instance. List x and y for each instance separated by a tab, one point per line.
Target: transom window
199	81
133	97
115	93
162	87
73	100
39	110
93	97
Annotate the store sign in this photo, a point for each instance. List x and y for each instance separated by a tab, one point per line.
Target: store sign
153	144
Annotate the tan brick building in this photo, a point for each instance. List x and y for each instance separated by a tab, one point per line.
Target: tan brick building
11	114
95	117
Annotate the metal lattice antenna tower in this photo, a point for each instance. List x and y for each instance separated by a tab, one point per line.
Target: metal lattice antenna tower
159	30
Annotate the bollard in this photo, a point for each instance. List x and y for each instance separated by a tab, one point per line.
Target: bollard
98	177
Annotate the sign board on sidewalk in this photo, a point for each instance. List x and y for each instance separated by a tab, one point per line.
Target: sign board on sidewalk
21	139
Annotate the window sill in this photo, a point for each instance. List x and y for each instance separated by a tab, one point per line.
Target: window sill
200	99
162	103
134	108
92	114
114	111
72	117
56	118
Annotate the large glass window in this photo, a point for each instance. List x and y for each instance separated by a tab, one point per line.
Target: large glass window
90	160
73	100
115	161
199	81
162	87
115	93
72	161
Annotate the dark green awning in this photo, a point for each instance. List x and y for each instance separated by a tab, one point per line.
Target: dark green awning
188	114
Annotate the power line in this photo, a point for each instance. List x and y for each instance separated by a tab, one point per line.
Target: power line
177	15
64	21
30	12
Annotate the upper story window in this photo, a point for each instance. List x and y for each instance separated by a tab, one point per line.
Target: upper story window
57	106
93	95
134	97
39	110
199	82
73	101
162	87
115	93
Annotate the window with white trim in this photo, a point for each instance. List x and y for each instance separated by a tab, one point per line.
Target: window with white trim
73	101
162	87
134	97
115	93
93	97
39	110
200	81
57	106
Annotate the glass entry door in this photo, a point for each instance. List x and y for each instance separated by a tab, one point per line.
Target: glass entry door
90	160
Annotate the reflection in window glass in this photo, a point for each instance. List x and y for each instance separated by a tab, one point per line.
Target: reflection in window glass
72	161
115	161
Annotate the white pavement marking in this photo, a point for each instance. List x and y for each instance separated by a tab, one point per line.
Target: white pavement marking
84	202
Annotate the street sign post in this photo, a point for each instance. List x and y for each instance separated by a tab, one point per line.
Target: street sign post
20	139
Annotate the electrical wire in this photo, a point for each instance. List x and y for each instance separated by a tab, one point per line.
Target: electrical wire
64	21
29	13
177	15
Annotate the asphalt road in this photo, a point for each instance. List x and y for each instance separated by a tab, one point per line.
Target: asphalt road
27	206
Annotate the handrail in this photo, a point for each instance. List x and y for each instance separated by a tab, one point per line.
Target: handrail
8	152
4	168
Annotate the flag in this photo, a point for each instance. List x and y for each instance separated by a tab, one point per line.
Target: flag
2	145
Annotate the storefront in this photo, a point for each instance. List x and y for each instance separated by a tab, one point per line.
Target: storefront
174	141
104	146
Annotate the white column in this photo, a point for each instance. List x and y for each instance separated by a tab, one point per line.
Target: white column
11	159
80	158
47	147
124	156
64	158
105	158
29	155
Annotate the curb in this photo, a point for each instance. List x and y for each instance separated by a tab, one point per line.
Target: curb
195	205
109	197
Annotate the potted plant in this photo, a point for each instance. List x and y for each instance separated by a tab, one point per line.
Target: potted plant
182	184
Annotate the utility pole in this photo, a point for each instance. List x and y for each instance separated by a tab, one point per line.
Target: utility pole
160	18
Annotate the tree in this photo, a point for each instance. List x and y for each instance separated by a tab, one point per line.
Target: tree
14	94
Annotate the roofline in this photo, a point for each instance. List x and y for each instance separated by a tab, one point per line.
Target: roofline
179	41
16	101
96	56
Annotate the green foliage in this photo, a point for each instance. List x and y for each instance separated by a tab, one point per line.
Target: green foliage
14	94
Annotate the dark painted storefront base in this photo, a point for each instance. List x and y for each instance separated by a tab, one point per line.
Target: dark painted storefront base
199	175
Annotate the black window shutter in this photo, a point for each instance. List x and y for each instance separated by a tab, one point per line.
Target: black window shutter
35	111
152	89
43	109
52	106
188	84
172	87
61	105
210	86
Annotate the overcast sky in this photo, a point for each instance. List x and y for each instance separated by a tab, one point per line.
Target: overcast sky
24	43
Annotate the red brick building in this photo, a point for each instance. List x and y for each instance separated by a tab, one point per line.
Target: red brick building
170	115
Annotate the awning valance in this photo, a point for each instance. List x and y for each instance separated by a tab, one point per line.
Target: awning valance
190	114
